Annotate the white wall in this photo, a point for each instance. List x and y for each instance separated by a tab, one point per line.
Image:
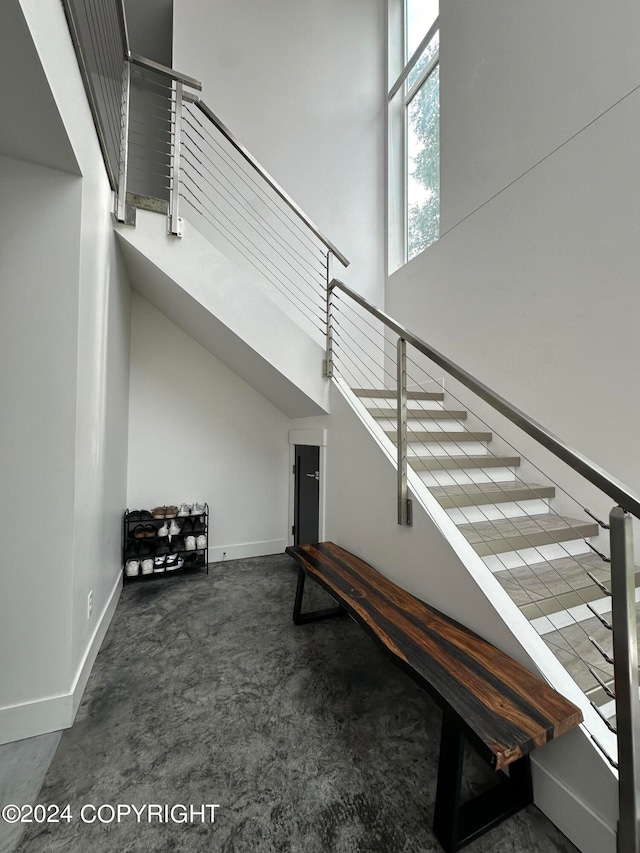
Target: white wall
38	334
302	85
65	339
536	292
518	80
197	432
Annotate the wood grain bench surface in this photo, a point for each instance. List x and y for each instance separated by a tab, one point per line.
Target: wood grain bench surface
504	710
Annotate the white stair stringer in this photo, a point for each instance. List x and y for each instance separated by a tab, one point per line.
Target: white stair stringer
564	787
222	306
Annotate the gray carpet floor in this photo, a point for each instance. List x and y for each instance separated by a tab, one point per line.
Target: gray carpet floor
308	738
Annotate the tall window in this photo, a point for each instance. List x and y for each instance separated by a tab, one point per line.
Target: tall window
419	87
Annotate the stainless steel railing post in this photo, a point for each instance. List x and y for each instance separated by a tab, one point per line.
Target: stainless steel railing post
625	655
327	367
174	223
404	503
121	196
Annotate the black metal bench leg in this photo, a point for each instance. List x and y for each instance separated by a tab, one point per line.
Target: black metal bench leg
300	618
448	792
456	824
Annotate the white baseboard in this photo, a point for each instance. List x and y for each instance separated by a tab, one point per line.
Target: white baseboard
86	665
53	713
587	830
244	550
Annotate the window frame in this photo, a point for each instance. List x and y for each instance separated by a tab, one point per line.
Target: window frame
400	88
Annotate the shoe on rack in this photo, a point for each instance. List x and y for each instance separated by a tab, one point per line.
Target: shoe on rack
164	530
170	511
145	515
180	563
202	541
190	543
171	562
198	524
197	509
150	530
162	546
177	544
134	515
132	568
145	549
187	525
138	532
147	566
131	550
159	565
185	509
174	528
158	511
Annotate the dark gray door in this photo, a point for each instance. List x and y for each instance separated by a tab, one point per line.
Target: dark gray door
306	511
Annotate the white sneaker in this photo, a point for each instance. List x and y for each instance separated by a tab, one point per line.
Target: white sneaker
197	509
202	541
174	528
190	543
164	530
185	509
172	562
180	563
158	565
132	568
147	566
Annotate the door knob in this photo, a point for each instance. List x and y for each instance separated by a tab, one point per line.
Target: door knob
315	476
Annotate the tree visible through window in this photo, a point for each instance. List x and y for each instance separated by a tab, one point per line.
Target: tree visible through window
422	125
423	155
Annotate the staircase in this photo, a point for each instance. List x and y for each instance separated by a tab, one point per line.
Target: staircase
548	563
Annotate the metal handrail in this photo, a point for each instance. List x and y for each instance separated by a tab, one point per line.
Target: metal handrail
616	490
165	71
275	186
124	30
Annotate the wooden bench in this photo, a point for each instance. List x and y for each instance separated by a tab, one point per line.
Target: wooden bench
500	707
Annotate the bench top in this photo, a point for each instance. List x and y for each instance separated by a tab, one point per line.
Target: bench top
503	709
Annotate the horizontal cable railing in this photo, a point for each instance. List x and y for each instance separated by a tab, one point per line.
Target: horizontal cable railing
535	584
99	36
580	600
164	148
151	133
242	209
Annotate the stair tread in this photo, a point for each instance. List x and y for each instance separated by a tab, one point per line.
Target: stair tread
512	534
566	642
475	494
441	435
388	392
420	414
462	462
540	582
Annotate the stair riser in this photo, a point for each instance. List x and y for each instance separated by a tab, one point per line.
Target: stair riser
531	556
563	618
465	477
448	448
384	402
419	425
491	512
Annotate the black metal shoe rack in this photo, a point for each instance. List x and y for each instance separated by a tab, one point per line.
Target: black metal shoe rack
151	545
